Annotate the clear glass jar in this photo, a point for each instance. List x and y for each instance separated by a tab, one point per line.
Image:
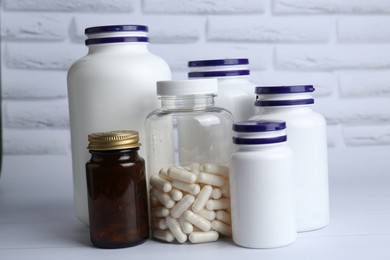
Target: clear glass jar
186	138
117	192
235	91
112	87
261	186
306	131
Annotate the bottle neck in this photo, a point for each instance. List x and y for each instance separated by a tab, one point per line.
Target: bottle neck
123	154
187	103
259	147
284	109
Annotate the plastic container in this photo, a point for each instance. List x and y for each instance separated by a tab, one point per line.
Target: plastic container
261	186
117	192
188	147
112	87
306	132
235	91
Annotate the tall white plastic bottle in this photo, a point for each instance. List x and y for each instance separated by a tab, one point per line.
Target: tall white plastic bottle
306	131
111	88
235	91
261	185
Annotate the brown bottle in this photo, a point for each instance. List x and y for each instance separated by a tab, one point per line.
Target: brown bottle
117	193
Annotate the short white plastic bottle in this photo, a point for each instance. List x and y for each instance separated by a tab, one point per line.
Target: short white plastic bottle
306	130
235	91
261	186
111	88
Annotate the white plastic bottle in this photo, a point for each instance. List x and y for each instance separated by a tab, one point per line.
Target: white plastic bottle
235	91
306	131
111	88
261	186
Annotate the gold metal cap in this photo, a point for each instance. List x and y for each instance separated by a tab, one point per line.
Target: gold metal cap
114	140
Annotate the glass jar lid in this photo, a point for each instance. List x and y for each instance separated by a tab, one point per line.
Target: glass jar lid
187	87
113	140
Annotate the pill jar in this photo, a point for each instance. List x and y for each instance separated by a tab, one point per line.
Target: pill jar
306	130
188	152
261	186
235	91
112	87
117	193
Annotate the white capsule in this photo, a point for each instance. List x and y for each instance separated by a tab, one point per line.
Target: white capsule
202	198
225	188
164	235
186	226
164	198
211	179
224	217
203	237
194	168
154	202
176	195
174	227
207	214
217	193
163	173
159	223
181	174
221	227
160	183
215	169
160	212
191	188
197	220
218	204
182	206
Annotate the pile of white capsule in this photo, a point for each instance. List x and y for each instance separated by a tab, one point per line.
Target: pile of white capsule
191	203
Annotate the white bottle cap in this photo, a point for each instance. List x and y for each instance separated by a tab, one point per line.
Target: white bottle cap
187	87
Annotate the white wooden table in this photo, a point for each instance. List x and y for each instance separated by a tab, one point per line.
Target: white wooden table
37	220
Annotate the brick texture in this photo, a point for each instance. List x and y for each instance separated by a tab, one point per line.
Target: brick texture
36	114
19	27
364	30
331	6
341	47
35	84
365	85
204	6
262	29
367	135
70	5
333	58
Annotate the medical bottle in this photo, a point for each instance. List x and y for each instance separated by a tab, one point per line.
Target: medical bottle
188	145
306	131
235	91
112	87
117	192
261	186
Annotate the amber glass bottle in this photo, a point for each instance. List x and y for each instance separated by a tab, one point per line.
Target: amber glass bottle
117	193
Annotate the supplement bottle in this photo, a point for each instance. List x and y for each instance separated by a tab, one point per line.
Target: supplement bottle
235	91
261	186
306	131
188	147
117	193
112	87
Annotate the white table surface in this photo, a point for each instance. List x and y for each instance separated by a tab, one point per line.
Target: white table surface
37	219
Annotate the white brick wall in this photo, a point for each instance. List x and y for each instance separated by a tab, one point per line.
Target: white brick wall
342	47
